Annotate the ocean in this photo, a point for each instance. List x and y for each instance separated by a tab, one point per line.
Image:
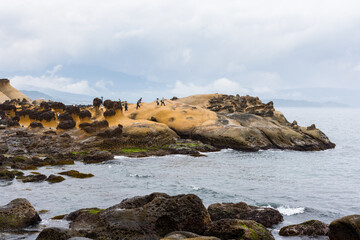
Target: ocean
301	185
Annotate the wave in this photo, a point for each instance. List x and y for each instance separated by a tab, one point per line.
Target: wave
289	211
140	176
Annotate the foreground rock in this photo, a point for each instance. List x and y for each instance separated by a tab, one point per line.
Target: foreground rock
181	235
54	234
147	217
265	216
347	228
76	174
18	214
238	229
310	228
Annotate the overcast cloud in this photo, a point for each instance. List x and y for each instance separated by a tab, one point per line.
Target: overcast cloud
181	47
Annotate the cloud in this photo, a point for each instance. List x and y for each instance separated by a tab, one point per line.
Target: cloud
51	80
222	85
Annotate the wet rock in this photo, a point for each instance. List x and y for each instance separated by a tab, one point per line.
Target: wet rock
180	235
76	174
55	179
98	156
79	238
153	216
36	125
69	124
34	178
54	233
347	228
9	175
265	216
310	228
18	214
238	229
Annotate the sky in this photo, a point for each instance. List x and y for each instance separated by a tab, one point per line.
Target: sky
149	49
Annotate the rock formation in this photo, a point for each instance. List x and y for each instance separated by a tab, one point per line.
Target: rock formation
8	92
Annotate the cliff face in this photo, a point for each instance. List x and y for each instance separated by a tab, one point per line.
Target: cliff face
8	92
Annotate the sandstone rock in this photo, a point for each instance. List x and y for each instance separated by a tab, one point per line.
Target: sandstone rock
238	229
98	156
55	179
265	216
115	132
347	228
310	228
34	178
18	214
76	174
54	233
145	217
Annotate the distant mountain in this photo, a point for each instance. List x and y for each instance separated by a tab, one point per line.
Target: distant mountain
37	95
303	103
64	97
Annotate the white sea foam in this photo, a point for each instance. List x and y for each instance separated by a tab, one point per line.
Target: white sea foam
288	211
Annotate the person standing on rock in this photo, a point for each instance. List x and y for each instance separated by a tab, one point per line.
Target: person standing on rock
163	101
157	101
138	103
125	106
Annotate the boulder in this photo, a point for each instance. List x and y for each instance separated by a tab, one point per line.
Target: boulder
72	110
57	105
85	114
109	113
97	102
108	104
94	126
347	228
180	235
9	175
147	217
55	179
69	124
34	178
115	132
265	216
98	156
65	117
310	228
36	125
18	214
76	174
54	233
238	229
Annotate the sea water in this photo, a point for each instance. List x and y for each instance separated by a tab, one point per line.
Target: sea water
322	185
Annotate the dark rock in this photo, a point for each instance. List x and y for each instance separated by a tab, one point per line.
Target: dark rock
180	235
45	105
85	114
54	233
9	175
265	216
57	105
116	132
7	107
98	156
94	126
18	214
34	178
79	238
310	228
347	228
311	127
46	115
97	102
76	174
152	216
238	229
55	179
108	104
72	110
36	125
16	118
69	124
65	117
109	113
